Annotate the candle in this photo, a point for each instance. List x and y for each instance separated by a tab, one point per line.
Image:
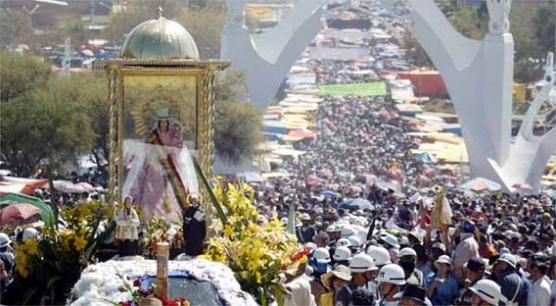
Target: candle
163	253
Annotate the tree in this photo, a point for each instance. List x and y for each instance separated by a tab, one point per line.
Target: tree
15	28
45	126
19	73
415	53
136	12
205	25
238	125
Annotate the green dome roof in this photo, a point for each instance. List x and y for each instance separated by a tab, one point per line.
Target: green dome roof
157	38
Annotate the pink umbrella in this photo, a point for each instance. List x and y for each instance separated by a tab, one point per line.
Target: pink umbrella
313	180
88	187
522	187
17	212
303	133
355	189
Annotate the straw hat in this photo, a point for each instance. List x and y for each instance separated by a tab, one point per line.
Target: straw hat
342	272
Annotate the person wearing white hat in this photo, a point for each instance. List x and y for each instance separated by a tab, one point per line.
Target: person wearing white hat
390	280
343	242
6	253
342	256
360	266
442	286
485	292
408	262
334	281
379	255
305	233
390	242
510	282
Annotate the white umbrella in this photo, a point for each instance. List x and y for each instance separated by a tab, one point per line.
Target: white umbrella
68	187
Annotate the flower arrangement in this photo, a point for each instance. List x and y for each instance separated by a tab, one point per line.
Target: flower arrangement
48	267
158	230
138	294
256	250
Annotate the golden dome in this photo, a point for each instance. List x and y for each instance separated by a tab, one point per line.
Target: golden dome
157	38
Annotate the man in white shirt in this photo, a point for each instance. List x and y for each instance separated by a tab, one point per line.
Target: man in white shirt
539	293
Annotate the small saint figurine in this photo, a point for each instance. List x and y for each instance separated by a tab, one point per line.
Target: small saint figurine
194	227
127	223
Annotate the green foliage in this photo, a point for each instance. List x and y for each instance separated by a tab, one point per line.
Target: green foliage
15	27
204	21
46	124
205	25
237	125
134	13
68	251
19	73
415	53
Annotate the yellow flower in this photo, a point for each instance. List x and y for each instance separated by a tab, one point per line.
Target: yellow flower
228	231
258	277
31	246
80	243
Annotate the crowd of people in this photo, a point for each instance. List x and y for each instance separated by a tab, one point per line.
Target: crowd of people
493	248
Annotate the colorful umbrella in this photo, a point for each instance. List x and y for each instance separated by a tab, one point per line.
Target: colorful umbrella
17	212
47	215
522	187
481	184
20	185
313	180
68	187
330	193
303	133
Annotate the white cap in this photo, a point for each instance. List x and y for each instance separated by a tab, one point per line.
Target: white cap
509	259
488	291
4	240
348	231
321	255
391	240
445	259
354	241
343	242
407	252
361	263
393	274
29	233
342	253
379	254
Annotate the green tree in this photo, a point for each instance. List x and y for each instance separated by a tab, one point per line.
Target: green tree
15	28
136	12
45	125
415	53
19	73
205	25
238	125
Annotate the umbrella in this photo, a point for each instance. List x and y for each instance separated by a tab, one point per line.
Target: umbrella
426	158
355	189
358	204
302	133
523	187
330	193
384	185
312	180
481	184
17	212
251	177
86	186
68	187
47	215
20	185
